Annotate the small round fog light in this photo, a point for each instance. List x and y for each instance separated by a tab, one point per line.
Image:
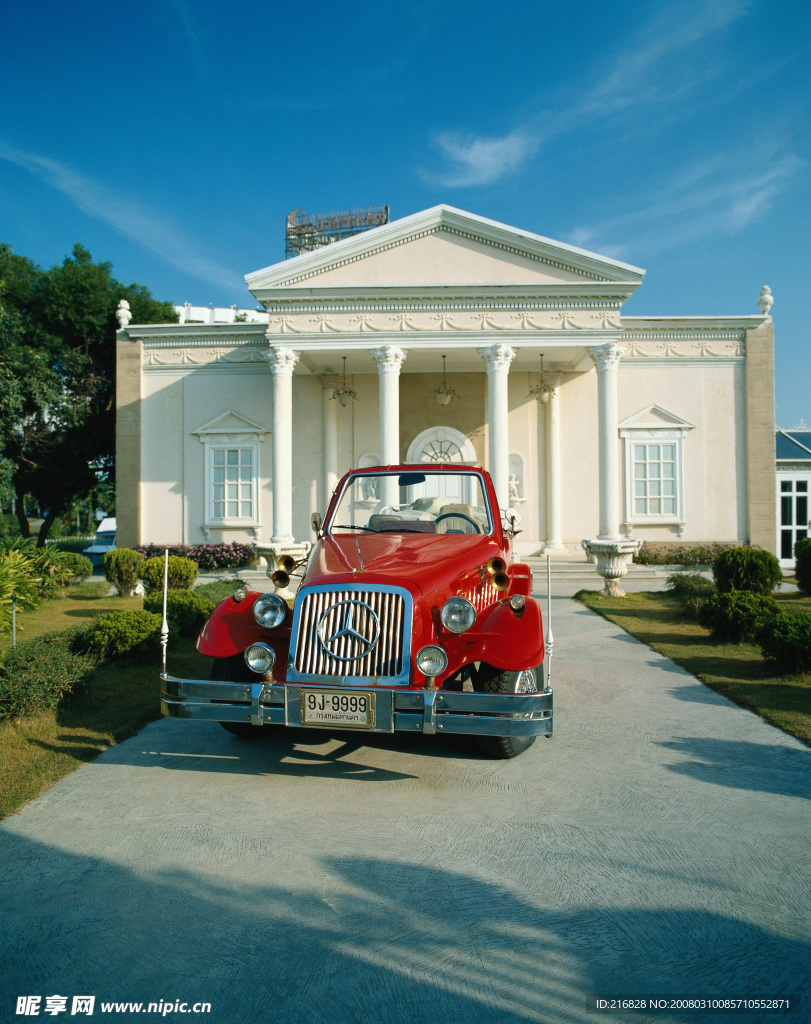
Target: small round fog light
432	660
260	658
457	615
240	594
517	603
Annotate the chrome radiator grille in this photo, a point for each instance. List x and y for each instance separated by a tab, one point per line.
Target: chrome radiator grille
351	634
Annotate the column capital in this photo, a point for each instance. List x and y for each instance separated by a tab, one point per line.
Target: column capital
281	360
498	357
329	380
607	357
389	358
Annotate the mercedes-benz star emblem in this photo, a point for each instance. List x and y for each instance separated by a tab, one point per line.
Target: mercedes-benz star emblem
357	634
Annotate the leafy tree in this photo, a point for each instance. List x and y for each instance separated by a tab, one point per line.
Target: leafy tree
57	376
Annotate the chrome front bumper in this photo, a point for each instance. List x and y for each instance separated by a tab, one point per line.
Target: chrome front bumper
426	711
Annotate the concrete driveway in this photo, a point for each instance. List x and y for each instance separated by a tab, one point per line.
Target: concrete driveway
657	846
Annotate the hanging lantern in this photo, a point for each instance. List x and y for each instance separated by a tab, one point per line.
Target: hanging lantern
343	392
443	394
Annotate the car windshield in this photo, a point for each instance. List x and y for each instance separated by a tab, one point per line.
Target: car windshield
429	502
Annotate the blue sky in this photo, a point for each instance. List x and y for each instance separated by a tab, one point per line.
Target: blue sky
173	137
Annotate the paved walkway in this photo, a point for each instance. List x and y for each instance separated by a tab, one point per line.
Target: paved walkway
657	846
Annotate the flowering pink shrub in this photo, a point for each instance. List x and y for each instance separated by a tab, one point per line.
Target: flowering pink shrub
207	556
674	553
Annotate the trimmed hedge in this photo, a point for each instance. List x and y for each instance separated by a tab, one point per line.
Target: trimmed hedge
207	556
117	634
738	616
121	568
78	565
186	610
218	590
675	553
692	589
802	564
749	569
38	673
181	576
785	641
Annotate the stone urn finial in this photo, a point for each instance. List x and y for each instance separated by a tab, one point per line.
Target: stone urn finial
123	313
766	300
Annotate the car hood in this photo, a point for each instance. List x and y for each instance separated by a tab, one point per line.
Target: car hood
417	561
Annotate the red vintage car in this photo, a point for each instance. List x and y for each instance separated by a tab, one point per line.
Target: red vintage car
411	616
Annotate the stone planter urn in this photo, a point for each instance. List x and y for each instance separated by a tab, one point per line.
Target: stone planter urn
612	561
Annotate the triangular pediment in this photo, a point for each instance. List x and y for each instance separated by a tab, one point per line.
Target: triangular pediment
230	422
655	417
443	247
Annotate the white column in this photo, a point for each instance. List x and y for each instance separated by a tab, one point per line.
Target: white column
389	359
329	382
607	359
553	495
281	361
497	358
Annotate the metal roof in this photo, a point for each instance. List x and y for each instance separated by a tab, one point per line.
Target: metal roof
793	445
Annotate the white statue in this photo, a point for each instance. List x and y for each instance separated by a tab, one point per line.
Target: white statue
123	313
513	485
766	300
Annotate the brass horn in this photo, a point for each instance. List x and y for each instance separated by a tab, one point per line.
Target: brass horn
496	565
499	581
287	564
280	579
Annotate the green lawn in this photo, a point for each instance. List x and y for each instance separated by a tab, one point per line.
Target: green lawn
121	698
737	671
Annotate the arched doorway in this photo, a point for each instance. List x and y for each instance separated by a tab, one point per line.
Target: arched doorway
445	444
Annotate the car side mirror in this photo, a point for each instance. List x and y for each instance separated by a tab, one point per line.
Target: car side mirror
315	521
513	519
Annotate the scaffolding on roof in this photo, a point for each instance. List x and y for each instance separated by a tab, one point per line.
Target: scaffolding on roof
303	233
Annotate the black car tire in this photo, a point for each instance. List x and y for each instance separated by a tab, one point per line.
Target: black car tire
234	670
492	680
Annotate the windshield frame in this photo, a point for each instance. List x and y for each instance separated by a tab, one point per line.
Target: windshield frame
335	529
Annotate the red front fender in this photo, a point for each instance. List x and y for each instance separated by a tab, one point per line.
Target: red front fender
512	640
231	628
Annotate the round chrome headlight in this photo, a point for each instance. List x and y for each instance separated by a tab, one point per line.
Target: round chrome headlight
432	660
260	658
270	610
457	615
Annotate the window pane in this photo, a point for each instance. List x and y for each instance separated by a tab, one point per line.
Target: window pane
669	487
669	505
655	506
654	488
785	544
233	507
245	492
219	509
245	473
640	471
668	470
219	457
639	507
219	492
246	457
654	470
802	485
639	488
669	452
786	509
219	474
653	452
233	457
245	509
785	485
802	510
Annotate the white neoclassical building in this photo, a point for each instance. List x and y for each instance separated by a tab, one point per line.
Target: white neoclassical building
654	428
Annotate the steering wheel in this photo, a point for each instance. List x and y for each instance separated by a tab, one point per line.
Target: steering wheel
459	515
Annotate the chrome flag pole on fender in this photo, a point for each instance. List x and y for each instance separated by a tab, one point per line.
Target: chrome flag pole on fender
549	640
164	623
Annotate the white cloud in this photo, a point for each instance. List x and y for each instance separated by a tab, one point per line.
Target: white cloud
712	197
125	216
478	160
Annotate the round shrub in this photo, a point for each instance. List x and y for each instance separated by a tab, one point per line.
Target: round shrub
186	610
751	569
121	567
786	643
802	564
117	634
182	573
738	616
38	673
78	565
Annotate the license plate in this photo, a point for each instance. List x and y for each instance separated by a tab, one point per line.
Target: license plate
346	710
